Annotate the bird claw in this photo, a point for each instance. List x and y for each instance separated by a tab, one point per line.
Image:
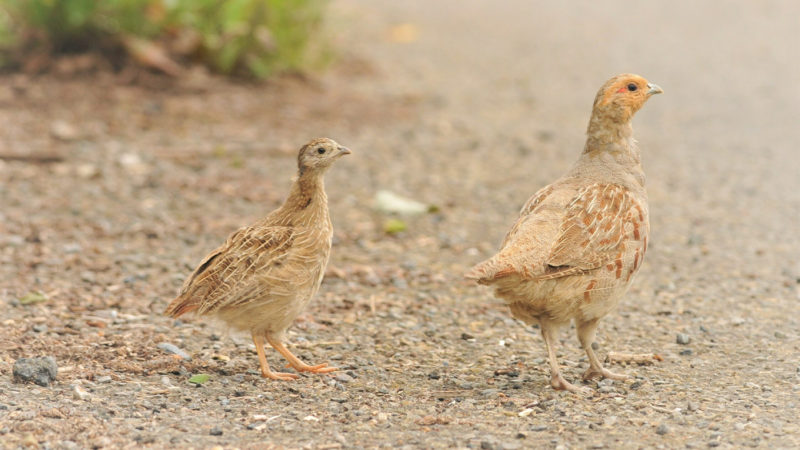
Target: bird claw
319	368
592	373
325	369
280	376
560	384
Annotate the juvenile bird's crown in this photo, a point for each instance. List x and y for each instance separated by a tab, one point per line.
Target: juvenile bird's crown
318	154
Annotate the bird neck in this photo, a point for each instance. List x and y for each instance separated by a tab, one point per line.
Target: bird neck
307	202
607	131
610	145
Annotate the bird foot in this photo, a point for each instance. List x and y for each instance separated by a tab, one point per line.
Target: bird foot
319	368
560	384
281	376
600	372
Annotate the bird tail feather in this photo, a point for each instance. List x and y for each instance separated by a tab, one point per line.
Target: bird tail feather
180	306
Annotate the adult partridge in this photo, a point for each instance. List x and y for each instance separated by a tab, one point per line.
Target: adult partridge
578	242
264	275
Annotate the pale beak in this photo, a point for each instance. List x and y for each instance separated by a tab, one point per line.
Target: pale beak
653	88
344	151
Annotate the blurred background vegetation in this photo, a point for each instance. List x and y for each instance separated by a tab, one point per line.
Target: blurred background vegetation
251	38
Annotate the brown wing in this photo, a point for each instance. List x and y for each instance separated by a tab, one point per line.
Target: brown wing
501	265
529	208
247	252
596	223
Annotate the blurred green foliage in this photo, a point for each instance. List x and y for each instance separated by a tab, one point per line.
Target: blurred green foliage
246	37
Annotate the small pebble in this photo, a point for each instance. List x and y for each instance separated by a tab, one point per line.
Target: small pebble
713	444
100	442
686	352
40	328
344	378
636	385
78	393
780	335
63	130
103	379
467	336
662	429
42	370
605	382
682	339
216	431
595	346
171	348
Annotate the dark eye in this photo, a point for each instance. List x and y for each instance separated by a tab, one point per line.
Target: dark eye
321	150
632	87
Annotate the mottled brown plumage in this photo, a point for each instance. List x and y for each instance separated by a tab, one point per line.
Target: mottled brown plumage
264	275
578	242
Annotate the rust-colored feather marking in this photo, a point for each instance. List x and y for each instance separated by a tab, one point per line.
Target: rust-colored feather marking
587	294
593	228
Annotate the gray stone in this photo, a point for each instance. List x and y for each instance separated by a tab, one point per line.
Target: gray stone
171	348
683	339
42	370
344	378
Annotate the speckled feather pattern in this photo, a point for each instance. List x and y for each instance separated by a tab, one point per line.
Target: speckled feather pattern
265	274
579	241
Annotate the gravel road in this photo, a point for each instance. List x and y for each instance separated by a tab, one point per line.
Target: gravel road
469	106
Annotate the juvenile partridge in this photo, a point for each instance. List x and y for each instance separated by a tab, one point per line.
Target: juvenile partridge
264	275
578	242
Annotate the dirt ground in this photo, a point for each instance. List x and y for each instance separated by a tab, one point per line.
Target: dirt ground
468	106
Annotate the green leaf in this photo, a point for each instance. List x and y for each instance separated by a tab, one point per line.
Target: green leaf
393	226
200	378
33	297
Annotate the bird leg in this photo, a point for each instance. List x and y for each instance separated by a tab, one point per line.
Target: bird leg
556	380
586	331
262	359
294	361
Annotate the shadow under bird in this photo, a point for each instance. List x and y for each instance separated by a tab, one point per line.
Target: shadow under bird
578	242
264	275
